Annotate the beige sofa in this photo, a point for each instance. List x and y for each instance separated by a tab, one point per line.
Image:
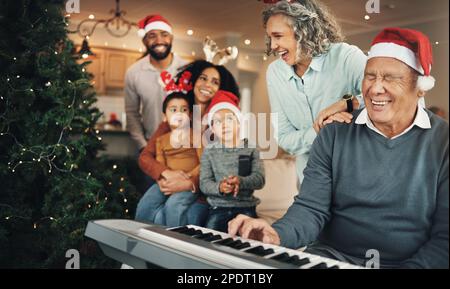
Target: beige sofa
280	188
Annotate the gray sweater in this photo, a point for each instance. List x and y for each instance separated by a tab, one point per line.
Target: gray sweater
363	191
218	162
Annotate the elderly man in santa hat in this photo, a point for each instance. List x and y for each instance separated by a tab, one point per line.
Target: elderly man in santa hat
142	88
376	189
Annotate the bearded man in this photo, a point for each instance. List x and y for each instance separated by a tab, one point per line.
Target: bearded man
143	93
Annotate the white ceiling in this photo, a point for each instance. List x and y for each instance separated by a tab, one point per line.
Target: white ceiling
218	17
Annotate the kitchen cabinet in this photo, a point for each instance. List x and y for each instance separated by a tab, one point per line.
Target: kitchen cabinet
108	67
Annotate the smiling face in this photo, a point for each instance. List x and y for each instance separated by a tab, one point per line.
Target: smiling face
282	38
206	86
158	43
390	94
225	126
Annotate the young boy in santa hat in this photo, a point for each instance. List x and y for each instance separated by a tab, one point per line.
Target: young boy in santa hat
230	168
175	150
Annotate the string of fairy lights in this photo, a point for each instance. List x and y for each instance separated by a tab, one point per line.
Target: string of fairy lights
41	153
36	223
47	154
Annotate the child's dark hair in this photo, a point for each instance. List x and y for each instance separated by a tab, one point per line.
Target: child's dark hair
178	95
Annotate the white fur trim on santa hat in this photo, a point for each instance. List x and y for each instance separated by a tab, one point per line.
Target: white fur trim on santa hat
220	106
425	83
396	51
157	25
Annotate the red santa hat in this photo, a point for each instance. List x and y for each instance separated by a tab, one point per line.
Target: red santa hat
223	100
153	22
409	46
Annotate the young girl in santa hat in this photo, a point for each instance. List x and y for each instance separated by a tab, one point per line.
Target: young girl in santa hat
230	168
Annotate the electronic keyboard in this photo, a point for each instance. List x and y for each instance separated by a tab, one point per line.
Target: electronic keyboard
143	245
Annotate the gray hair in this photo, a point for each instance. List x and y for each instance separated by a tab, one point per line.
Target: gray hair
314	27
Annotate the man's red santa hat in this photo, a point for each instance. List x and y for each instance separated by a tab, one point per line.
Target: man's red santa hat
409	46
153	22
223	100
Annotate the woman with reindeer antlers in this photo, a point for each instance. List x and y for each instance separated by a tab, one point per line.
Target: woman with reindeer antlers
206	79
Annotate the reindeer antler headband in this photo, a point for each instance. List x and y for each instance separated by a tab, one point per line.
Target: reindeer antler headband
211	50
168	82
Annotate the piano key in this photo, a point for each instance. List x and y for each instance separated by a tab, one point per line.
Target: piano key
321	265
224	241
327	264
182	230
202	232
234	244
179	229
281	257
191	232
238	245
260	251
203	236
297	261
212	238
243	246
197	234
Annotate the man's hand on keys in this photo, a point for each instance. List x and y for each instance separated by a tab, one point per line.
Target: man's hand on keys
251	228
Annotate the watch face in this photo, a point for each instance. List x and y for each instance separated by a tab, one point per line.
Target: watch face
347	96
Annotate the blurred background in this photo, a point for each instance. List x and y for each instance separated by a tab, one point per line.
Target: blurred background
237	23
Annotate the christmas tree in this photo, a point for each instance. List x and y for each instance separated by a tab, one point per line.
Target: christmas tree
52	181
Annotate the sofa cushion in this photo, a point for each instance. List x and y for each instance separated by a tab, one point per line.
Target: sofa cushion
280	188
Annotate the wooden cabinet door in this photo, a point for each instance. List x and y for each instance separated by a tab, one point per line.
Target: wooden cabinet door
108	67
132	57
116	66
96	67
